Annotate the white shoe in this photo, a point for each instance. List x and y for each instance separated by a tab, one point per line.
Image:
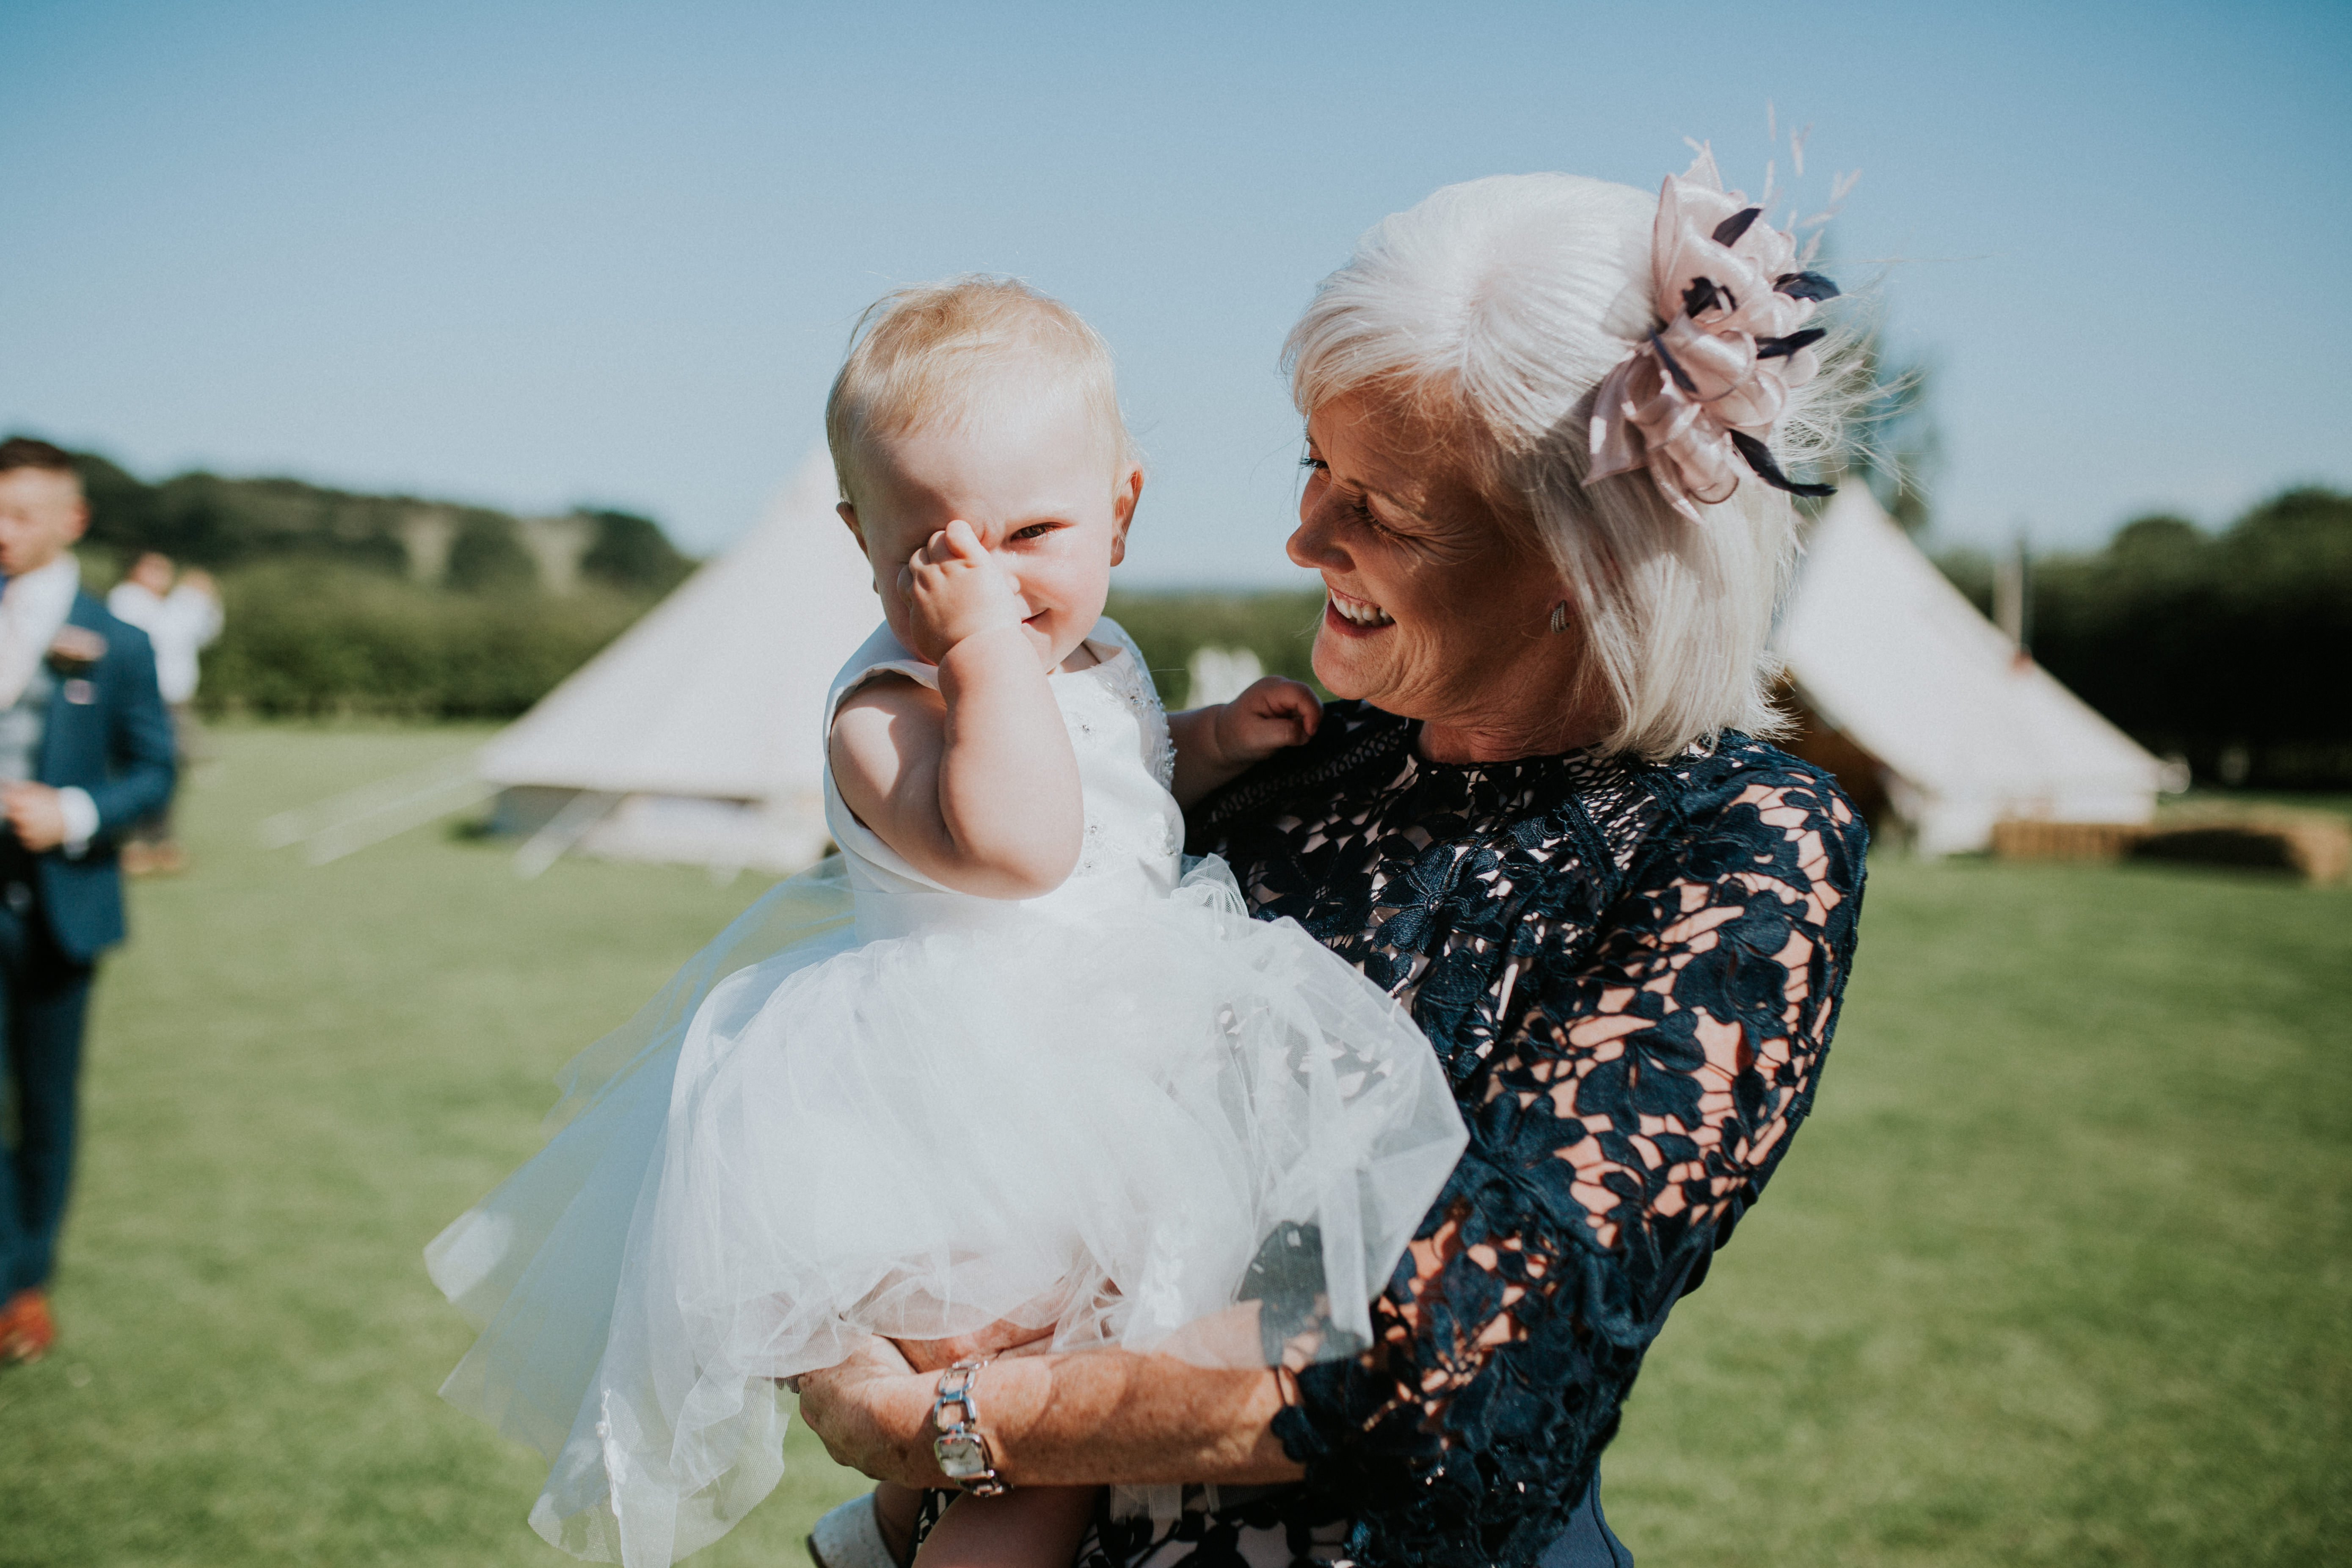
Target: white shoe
850	1537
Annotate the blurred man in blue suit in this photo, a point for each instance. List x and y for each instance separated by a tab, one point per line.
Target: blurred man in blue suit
85	752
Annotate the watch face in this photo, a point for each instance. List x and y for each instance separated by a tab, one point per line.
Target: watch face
962	1455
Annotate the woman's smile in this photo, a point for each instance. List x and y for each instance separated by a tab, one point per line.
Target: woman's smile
1351	617
1435	607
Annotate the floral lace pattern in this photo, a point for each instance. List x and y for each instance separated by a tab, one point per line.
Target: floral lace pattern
1631	972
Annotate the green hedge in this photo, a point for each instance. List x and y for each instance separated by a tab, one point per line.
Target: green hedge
310	639
1278	628
323	618
2233	650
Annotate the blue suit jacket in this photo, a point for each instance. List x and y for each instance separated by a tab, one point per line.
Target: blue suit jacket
108	734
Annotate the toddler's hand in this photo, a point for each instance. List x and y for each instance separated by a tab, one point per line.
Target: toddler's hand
1270	715
957	590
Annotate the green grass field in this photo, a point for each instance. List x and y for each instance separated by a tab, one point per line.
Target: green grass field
2060	1273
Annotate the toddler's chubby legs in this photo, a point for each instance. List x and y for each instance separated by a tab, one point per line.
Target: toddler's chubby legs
1037	1527
897	1510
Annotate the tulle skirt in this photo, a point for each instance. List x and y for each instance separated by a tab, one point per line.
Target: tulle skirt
1165	1126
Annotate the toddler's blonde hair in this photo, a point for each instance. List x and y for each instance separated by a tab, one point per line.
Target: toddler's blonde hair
923	358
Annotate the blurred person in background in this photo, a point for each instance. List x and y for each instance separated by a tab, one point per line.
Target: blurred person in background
86	750
181	620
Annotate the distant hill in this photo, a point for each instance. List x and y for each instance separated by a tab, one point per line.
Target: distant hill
203	520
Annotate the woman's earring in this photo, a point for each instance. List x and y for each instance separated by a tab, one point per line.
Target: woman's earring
1560	617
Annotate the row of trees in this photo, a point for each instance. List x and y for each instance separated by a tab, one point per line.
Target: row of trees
331	610
203	520
2233	650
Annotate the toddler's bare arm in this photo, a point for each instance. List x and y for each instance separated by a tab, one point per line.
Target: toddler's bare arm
974	785
1216	744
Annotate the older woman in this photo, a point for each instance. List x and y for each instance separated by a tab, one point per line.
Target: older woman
1542	415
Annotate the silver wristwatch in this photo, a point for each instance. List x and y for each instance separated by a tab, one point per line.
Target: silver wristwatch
963	1452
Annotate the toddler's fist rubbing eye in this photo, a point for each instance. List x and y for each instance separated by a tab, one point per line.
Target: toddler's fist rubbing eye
956	588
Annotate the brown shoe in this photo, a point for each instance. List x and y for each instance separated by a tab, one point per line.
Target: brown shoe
26	1330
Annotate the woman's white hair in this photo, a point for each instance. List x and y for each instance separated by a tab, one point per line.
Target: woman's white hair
1491	312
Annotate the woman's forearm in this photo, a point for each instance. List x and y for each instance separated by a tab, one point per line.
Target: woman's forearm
1088	1419
1109	1417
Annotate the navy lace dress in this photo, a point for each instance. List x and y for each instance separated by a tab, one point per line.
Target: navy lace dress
1631	972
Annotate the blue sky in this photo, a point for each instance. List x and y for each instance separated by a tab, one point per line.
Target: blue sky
540	254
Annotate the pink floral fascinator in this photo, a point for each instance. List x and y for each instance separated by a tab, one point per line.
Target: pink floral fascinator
1708	387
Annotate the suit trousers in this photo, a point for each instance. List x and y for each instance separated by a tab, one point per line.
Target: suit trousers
44	996
1588	1542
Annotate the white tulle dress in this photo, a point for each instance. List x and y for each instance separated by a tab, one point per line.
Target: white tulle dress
877	1106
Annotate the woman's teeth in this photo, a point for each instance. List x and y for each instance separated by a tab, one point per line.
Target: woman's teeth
1362	612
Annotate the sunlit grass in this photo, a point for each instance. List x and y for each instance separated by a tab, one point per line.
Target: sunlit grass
296	1077
2061	1270
2060	1273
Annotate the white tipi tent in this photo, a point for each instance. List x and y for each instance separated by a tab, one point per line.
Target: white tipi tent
1969	733
696	735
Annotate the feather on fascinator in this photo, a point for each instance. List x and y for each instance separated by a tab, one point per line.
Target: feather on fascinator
1696	402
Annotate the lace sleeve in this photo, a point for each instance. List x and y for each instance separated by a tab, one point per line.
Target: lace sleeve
1645	1078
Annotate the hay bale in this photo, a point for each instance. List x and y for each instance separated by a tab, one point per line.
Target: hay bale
2314	847
2031	838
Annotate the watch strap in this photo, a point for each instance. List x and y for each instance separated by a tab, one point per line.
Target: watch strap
960	1448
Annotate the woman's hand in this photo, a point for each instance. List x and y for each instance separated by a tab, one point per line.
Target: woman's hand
1088	1419
872	1411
